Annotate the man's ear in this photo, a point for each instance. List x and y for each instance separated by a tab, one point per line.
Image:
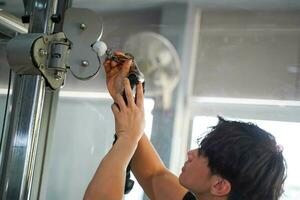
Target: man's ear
220	186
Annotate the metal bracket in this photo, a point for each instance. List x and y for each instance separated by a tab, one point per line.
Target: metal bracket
83	27
51	55
41	54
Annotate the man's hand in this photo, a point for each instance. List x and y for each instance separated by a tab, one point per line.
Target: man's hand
129	118
109	180
115	74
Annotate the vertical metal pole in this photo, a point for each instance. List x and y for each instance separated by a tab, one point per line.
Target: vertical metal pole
19	151
20	145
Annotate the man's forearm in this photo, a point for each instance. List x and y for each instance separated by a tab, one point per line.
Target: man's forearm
157	181
109	179
146	164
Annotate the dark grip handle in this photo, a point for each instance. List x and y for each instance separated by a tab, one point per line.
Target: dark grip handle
129	183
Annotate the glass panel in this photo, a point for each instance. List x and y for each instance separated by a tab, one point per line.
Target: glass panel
286	134
243	55
83	133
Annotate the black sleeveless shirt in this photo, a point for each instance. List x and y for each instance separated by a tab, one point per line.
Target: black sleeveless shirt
189	196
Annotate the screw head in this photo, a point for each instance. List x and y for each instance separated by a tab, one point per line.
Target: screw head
46	39
26	19
83	26
43	52
55	18
58	75
84	63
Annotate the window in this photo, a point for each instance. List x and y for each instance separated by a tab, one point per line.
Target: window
82	135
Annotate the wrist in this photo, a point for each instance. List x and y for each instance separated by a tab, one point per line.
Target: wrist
128	138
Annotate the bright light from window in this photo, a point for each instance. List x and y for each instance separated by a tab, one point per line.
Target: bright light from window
137	191
287	135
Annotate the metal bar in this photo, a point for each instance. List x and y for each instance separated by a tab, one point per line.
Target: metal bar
21	138
61	8
3	54
12	22
188	58
44	143
40	21
48	115
18	159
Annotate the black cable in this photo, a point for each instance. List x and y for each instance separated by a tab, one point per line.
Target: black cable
129	183
6	105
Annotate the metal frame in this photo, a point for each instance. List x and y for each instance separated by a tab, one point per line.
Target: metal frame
21	155
13	23
182	125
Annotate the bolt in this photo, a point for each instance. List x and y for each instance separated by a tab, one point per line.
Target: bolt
42	66
26	19
84	63
58	75
56	18
43	52
83	26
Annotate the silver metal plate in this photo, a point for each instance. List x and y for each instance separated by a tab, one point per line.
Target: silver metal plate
83	27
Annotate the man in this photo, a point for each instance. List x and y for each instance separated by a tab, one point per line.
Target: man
235	161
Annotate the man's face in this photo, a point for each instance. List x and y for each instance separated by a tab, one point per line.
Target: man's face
196	175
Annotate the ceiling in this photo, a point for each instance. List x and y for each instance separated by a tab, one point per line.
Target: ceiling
205	4
16	6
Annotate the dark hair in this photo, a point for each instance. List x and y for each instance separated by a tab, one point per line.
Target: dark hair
248	157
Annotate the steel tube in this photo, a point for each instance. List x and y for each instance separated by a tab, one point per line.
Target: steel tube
19	150
22	137
12	22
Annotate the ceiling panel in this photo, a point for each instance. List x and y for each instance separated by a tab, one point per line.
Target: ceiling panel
15	6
